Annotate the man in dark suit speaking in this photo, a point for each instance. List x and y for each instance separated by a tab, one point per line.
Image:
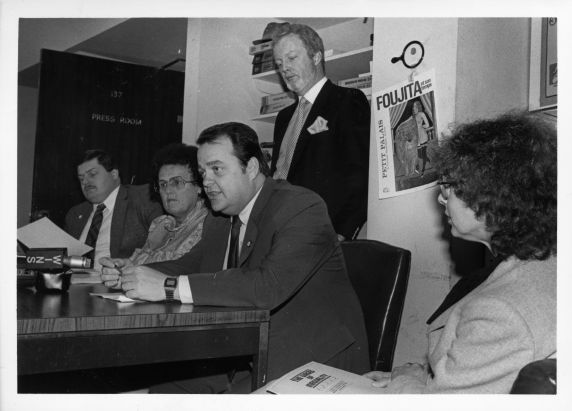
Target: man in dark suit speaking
115	218
322	142
269	245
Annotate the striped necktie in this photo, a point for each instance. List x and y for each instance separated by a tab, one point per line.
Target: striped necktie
291	138
91	239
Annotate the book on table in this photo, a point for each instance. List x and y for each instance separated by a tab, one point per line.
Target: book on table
316	378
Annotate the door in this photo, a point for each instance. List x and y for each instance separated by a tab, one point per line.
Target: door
84	103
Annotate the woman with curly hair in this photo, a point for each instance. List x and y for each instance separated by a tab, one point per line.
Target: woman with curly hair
498	187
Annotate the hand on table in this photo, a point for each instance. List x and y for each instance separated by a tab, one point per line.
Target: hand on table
143	283
111	271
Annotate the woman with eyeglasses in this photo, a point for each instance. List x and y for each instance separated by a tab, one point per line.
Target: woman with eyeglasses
178	183
498	187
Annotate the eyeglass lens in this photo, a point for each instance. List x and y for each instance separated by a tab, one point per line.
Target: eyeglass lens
177	183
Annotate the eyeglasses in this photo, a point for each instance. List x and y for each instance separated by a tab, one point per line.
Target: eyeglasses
178	183
446	188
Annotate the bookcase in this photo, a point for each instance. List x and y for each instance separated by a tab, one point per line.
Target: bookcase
347	39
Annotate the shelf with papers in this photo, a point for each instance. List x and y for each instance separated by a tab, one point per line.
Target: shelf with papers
338	67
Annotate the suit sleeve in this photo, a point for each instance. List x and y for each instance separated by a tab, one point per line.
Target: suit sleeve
355	137
67	222
492	342
301	243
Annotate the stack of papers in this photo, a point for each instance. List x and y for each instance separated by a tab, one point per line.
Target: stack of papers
43	233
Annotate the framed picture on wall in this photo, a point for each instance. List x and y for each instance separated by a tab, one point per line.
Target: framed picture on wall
543	87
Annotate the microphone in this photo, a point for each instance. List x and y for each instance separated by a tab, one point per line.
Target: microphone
51	259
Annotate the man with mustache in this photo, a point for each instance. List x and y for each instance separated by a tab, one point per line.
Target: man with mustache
115	218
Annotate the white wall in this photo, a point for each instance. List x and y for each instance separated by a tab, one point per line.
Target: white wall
493	66
218	84
482	70
414	221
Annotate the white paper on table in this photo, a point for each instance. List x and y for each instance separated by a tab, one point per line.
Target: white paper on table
119	297
43	233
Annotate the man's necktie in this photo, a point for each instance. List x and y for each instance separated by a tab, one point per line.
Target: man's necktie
232	261
93	232
291	138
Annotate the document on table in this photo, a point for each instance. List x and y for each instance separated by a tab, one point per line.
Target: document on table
119	297
316	378
43	233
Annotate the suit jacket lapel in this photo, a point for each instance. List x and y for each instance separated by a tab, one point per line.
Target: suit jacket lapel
318	108
117	221
252	227
218	228
80	220
502	268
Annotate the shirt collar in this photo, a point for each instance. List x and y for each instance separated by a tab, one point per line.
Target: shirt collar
312	94
244	215
110	200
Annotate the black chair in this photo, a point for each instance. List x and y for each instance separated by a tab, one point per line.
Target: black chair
379	273
537	377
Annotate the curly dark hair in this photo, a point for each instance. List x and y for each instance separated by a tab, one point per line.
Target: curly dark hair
505	169
177	154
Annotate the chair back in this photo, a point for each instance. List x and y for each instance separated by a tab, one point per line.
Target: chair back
537	377
379	273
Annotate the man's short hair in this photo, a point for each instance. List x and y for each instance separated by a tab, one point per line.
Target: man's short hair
103	157
311	40
244	142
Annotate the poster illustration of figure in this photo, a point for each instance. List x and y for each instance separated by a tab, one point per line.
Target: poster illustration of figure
406	136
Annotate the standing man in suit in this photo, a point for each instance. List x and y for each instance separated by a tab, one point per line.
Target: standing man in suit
115	218
322	142
269	244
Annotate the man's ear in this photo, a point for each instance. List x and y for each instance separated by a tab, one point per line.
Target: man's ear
318	58
253	168
115	174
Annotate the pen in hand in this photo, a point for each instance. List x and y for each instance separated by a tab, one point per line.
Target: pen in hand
118	282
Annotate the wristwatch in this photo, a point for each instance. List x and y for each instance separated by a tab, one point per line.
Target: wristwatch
170	286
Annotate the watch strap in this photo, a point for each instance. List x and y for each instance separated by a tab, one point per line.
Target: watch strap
170	286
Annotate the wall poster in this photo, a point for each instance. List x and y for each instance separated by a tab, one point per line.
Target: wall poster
406	135
543	63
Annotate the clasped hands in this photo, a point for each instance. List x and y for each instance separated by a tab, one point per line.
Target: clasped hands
409	370
138	282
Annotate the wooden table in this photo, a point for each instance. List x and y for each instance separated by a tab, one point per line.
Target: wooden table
74	330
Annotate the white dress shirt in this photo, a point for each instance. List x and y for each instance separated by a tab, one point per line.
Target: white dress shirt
183	286
104	237
312	94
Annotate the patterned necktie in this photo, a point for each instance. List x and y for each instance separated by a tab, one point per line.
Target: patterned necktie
93	232
291	138
232	261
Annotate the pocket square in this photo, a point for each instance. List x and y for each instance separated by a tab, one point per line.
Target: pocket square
319	125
